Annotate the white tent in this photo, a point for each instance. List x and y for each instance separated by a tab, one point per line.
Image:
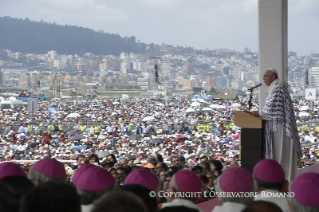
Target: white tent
195	104
236	105
148	118
304	108
72	115
190	110
207	109
221	106
303	114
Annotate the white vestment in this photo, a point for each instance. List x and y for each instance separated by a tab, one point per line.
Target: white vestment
271	196
182	202
283	152
86	208
229	207
281	136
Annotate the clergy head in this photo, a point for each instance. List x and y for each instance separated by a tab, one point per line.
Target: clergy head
306	191
144	178
237	182
45	170
92	182
270	75
186	183
269	174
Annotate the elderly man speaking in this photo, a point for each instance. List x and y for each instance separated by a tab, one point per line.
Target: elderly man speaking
281	136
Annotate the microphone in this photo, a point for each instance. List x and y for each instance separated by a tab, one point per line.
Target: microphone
256	86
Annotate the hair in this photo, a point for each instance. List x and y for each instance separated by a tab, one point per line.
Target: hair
262	184
88	197
296	206
207	166
152	160
51	197
197	168
121	168
203	157
124	159
144	194
122	201
96	158
204	179
267	206
242	200
159	157
174	185
79	156
175	169
113	157
218	165
169	173
9	200
163	165
17	184
43	178
107	162
273	72
111	170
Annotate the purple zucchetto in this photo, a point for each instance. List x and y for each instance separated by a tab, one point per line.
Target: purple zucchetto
95	179
9	169
306	189
269	170
50	168
188	181
236	179
80	171
142	177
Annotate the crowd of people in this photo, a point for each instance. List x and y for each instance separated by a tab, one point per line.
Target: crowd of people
145	142
47	187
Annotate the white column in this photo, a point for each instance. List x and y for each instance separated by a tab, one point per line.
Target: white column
273	41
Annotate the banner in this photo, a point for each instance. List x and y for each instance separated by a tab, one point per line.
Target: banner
52	110
124	96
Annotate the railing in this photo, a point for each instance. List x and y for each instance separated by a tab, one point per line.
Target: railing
313	168
33	161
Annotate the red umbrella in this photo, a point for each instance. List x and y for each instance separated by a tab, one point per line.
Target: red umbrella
167	139
179	138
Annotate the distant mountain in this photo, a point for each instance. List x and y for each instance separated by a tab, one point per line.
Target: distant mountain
28	36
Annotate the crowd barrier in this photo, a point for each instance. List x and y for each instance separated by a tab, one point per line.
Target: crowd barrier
33	161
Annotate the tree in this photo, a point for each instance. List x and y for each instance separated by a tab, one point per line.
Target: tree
212	90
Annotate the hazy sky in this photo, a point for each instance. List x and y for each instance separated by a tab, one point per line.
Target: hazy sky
201	24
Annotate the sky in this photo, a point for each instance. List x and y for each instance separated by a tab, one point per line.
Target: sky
202	24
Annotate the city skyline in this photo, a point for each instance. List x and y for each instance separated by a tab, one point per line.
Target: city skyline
211	24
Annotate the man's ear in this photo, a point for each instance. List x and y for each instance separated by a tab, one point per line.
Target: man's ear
37	182
285	187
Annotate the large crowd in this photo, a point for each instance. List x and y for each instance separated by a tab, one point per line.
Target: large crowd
163	145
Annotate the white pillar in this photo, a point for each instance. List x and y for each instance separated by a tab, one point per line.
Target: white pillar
273	41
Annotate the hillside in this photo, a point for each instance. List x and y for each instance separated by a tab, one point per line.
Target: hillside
28	36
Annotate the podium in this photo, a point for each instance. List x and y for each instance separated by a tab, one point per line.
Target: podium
251	139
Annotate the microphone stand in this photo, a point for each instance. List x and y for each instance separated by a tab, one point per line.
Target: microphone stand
250	98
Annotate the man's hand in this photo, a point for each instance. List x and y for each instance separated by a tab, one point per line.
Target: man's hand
255	113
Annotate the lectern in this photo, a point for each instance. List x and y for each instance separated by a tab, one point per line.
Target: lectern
251	139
